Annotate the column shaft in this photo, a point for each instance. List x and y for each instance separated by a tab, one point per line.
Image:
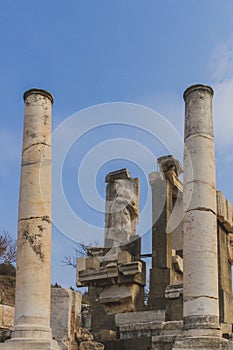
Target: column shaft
160	273
201	308
32	305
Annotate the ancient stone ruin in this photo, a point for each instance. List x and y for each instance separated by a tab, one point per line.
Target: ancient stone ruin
190	301
116	269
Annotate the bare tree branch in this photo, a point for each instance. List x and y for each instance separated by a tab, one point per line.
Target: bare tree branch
80	250
7	247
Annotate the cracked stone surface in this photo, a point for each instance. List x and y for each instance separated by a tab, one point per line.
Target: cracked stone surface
200	230
122	208
32	305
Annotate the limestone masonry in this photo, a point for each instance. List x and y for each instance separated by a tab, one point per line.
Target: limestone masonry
189	304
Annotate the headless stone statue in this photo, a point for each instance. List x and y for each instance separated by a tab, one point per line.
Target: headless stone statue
121	208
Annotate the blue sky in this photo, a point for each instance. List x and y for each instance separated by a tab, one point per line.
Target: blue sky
93	52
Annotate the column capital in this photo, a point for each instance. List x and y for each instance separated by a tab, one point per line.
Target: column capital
199	87
35	91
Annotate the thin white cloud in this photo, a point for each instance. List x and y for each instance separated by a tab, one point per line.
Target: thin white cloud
221	62
223	114
221	75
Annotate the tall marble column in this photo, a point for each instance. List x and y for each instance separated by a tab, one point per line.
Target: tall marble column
201	309
32	304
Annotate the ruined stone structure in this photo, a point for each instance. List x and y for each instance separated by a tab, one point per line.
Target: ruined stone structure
6	321
65	317
114	273
66	321
190	302
167	246
225	254
190	299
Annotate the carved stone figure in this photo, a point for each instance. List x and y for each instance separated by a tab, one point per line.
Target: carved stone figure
121	209
119	220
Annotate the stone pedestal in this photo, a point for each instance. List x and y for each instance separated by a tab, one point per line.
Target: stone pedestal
202	343
32	304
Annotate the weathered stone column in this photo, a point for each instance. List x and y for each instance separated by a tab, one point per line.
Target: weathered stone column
160	273
166	187
201	310
32	305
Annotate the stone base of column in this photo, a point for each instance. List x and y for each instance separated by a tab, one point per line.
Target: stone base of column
26	337
29	344
31	332
163	342
173	342
216	333
204	323
202	343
